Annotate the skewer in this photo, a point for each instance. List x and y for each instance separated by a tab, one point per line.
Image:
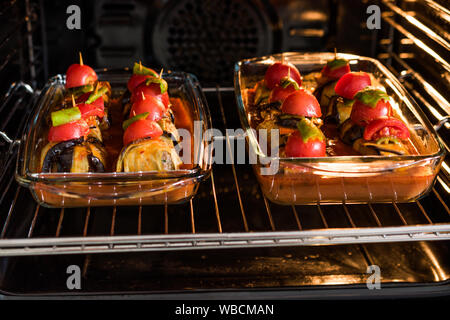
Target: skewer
73	101
81	58
140	65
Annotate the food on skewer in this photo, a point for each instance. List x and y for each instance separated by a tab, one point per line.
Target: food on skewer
73	146
348	110
77	126
145	147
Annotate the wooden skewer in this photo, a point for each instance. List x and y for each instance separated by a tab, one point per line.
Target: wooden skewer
335	53
96	88
73	101
140	65
160	73
81	58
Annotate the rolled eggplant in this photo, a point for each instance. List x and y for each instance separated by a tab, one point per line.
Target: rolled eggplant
76	156
385	147
149	155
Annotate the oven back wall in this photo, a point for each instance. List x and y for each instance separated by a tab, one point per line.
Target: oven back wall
202	37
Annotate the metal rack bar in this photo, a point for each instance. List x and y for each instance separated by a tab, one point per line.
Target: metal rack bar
192	216
244	218
139	228
216	207
86	221
33	222
10	212
423	212
419	43
269	214
417	24
58	228
442	201
322	217
297	220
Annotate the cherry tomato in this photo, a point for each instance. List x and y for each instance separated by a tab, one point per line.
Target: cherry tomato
350	83
89	110
301	103
386	127
68	131
141	129
280	94
278	71
335	69
150	104
297	147
369	105
136	80
98	103
79	75
151	90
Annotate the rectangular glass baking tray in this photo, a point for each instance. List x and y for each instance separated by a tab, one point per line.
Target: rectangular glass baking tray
337	179
113	188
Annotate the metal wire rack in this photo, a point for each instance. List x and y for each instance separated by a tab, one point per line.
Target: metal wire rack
229	211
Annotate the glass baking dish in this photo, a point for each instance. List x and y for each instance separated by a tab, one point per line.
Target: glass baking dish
337	179
114	188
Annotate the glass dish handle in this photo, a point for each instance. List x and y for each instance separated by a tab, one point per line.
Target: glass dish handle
13	88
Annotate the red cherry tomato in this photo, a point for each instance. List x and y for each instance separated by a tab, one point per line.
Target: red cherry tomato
278	71
363	113
151	90
280	94
98	103
89	110
141	129
301	103
79	75
150	104
68	131
386	127
335	73
350	83
136	80
296	147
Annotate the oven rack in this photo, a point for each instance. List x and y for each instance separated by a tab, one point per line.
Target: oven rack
229	211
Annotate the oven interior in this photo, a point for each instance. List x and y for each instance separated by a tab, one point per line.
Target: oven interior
229	241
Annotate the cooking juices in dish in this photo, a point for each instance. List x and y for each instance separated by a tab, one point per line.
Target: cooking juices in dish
110	138
346	130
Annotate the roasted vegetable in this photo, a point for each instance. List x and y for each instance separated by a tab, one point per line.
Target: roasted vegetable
349	132
370	104
338	110
307	141
301	103
350	83
80	75
75	155
280	70
334	69
386	127
149	155
383	147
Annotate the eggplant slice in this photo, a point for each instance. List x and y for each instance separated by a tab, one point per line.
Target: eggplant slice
382	149
149	155
76	156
